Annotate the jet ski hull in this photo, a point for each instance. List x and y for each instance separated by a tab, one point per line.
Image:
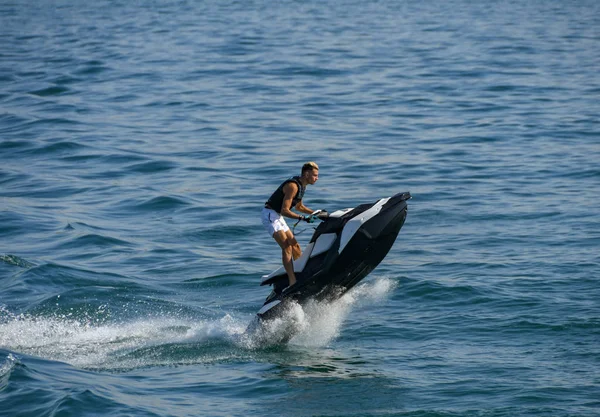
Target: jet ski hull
343	250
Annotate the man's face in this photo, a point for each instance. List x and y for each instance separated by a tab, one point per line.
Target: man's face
311	176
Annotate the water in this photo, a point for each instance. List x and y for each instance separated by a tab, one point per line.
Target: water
138	141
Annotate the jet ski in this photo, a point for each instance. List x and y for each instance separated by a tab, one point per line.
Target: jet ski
345	247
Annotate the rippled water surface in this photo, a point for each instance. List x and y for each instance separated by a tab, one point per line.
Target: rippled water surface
139	140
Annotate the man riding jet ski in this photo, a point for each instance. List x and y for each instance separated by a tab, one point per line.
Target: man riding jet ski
345	247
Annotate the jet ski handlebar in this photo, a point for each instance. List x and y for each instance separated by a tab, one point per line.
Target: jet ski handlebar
320	214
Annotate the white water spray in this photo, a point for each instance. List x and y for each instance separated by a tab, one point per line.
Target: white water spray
318	322
111	345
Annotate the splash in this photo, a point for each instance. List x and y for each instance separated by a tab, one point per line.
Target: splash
324	320
86	344
165	341
318	323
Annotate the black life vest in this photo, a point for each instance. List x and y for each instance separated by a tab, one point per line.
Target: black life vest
275	202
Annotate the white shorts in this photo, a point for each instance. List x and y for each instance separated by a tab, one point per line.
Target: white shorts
273	221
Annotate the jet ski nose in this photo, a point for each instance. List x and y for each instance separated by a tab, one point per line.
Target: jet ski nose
402	196
397	202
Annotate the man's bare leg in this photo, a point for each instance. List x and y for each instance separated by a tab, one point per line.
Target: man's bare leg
286	254
296	251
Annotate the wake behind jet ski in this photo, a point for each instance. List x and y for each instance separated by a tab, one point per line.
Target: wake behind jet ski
345	247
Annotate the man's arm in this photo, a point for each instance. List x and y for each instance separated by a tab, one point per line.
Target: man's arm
289	191
303	209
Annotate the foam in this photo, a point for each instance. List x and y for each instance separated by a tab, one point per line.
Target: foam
319	322
86	344
324	320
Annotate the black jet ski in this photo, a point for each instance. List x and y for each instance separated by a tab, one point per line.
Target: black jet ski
345	247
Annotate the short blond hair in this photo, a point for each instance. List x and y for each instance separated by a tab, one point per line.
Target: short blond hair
309	166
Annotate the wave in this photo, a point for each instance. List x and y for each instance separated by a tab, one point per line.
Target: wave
94	240
159	203
15	260
150	167
6	367
50	91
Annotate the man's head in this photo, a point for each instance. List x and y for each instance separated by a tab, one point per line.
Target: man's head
310	172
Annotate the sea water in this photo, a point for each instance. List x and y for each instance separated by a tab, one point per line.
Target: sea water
139	141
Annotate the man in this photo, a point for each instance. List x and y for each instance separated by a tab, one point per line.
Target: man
289	195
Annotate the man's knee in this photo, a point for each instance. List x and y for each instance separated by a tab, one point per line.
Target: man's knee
286	245
296	251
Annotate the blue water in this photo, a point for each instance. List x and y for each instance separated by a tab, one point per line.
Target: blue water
139	140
